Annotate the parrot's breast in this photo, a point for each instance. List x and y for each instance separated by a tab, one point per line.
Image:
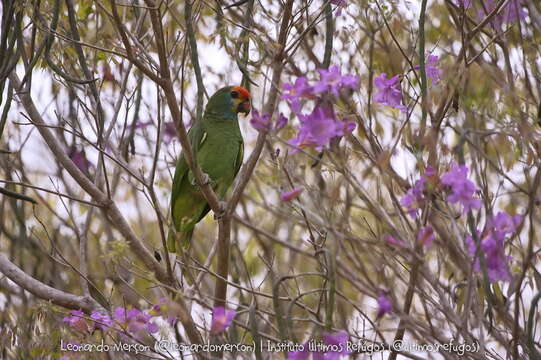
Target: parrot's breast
218	157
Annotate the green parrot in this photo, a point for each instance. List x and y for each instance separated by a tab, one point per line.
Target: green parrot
218	146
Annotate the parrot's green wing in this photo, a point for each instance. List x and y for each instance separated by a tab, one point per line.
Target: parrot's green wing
240	157
187	204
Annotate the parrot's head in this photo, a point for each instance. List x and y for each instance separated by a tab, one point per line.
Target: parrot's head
232	99
242	100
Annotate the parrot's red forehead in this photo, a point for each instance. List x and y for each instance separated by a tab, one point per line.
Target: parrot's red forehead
242	91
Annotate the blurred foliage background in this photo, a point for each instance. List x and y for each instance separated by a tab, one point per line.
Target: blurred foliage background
89	74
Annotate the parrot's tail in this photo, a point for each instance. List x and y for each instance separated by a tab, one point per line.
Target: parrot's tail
183	238
178	237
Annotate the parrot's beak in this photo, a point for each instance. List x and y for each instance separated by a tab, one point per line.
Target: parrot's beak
244	107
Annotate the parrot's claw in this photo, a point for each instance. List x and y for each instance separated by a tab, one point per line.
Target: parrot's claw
205	180
223	209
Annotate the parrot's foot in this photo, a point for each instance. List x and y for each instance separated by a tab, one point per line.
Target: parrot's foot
221	213
205	178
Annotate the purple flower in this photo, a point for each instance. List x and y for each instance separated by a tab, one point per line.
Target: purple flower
101	321
295	92
338	341
140	323
80	160
495	259
340	5
260	122
169	131
119	315
426	236
317	129
349	126
393	241
321	125
384	305
76	320
135	321
152	328
133	313
505	224
281	123
462	189
293	194
493	245
159	308
430	172
431	68
512	12
333	80
390	91
263	122
303	354
221	319
414	198
350	81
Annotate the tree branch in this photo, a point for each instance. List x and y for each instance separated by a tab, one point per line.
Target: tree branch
109	206
43	291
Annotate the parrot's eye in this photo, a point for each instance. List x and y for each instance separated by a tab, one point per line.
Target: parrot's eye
234	94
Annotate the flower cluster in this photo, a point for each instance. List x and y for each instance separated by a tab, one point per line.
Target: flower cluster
76	320
512	12
455	181
340	4
263	122
414	198
492	243
295	93
221	319
431	68
462	190
336	341
319	126
135	322
384	305
332	80
138	324
389	91
124	320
